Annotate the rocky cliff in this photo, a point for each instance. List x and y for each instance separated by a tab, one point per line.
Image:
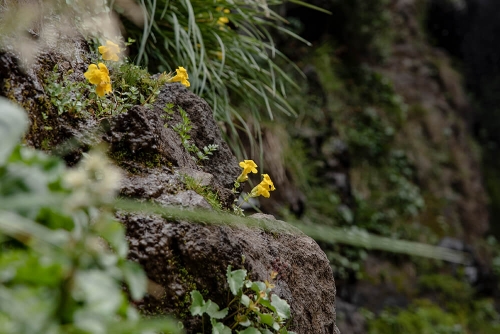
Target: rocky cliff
178	256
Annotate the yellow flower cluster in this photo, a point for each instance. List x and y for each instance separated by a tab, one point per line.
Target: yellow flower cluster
181	76
223	20
99	74
110	51
264	187
248	166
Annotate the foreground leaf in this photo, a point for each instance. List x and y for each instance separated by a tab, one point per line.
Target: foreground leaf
235	279
13	124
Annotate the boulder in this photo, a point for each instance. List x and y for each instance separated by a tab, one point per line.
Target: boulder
180	256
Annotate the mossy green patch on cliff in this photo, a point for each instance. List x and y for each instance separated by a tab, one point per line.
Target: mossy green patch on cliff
41	110
128	160
182	302
205	191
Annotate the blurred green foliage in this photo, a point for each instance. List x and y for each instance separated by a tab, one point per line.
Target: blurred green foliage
62	254
365	27
228	50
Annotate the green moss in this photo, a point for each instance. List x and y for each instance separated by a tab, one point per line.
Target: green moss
45	144
183	303
123	156
205	191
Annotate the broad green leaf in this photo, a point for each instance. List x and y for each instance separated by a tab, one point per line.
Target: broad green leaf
266	331
198	305
267	304
235	279
213	310
219	328
250	330
13	124
31	268
245	300
244	321
98	291
114	233
266	319
31	307
135	278
16	226
282	307
53	218
258	287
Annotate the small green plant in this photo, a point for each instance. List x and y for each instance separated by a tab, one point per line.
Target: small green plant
66	95
183	130
254	309
205	191
136	84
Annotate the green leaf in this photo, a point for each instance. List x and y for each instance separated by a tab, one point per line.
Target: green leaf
235	279
26	267
266	319
282	307
245	300
250	330
213	310
98	291
267	304
285	331
219	328
114	233
135	278
198	305
244	321
13	123
17	226
258	287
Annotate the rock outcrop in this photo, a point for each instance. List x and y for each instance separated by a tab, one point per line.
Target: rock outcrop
178	256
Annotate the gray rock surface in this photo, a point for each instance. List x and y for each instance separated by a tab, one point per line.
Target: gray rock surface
223	165
180	256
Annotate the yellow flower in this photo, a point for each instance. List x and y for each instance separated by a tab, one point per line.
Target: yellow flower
222	20
248	166
260	190
110	51
99	75
268	182
181	76
222	9
263	188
